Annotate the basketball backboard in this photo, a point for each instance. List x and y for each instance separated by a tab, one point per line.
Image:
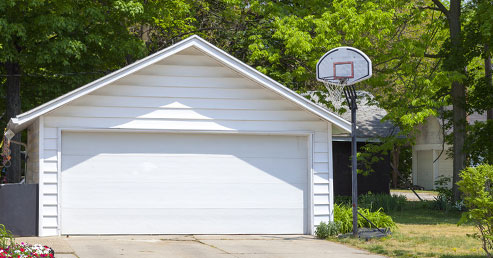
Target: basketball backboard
344	65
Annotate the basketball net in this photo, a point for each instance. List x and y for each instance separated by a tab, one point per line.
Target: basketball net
335	92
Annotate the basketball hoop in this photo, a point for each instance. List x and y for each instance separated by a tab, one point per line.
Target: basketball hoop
338	68
341	67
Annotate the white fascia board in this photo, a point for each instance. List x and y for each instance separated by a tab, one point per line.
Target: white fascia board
18	123
270	83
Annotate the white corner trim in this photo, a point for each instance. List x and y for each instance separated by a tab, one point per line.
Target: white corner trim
311	208
17	123
331	172
40	175
59	181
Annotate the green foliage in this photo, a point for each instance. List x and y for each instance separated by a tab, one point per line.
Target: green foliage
6	237
444	200
386	202
343	214
479	143
477	188
326	230
374	202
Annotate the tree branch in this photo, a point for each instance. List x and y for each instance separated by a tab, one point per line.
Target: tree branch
429	8
433	55
441	7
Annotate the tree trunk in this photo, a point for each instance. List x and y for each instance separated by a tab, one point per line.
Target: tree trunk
487	76
395	165
14	108
458	94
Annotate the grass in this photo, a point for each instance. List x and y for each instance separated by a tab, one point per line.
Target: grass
423	232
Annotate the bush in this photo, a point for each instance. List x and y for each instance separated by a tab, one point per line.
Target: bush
477	187
343	214
342	199
387	202
326	230
444	200
375	202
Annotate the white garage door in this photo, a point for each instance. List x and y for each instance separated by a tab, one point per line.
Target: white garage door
150	183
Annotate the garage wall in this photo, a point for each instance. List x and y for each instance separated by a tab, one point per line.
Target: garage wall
187	91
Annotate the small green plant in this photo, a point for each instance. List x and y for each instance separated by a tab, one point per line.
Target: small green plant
344	215
6	237
326	230
444	200
477	188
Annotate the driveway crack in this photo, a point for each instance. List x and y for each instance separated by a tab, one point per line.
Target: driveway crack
215	247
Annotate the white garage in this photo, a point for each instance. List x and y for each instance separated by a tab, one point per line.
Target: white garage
186	141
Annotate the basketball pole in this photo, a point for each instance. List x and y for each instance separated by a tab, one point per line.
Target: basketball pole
350	94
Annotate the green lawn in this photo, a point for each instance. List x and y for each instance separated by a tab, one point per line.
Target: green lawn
423	232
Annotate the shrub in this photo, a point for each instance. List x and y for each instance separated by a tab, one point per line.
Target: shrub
387	202
375	202
344	215
477	187
444	200
325	230
342	199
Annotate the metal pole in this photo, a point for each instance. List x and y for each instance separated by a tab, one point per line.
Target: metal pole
354	167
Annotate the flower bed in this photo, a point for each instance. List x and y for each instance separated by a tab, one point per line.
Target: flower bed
24	250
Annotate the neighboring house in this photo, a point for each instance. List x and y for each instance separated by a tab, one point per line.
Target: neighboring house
431	158
370	128
189	140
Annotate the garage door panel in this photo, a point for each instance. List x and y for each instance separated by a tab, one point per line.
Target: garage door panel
176	196
183	183
236	145
185	221
184	169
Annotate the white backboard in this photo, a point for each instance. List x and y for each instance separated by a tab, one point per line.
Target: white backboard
344	64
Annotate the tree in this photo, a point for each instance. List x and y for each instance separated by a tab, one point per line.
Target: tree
44	43
455	62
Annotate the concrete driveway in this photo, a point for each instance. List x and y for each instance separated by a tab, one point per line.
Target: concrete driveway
203	246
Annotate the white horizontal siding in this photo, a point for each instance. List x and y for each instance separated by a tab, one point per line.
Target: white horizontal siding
321	208
226	125
164	96
50	199
184	59
320	218
184	103
50	210
187	82
321	178
184	114
188	70
180	92
321	199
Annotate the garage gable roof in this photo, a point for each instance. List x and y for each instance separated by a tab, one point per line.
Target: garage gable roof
21	121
